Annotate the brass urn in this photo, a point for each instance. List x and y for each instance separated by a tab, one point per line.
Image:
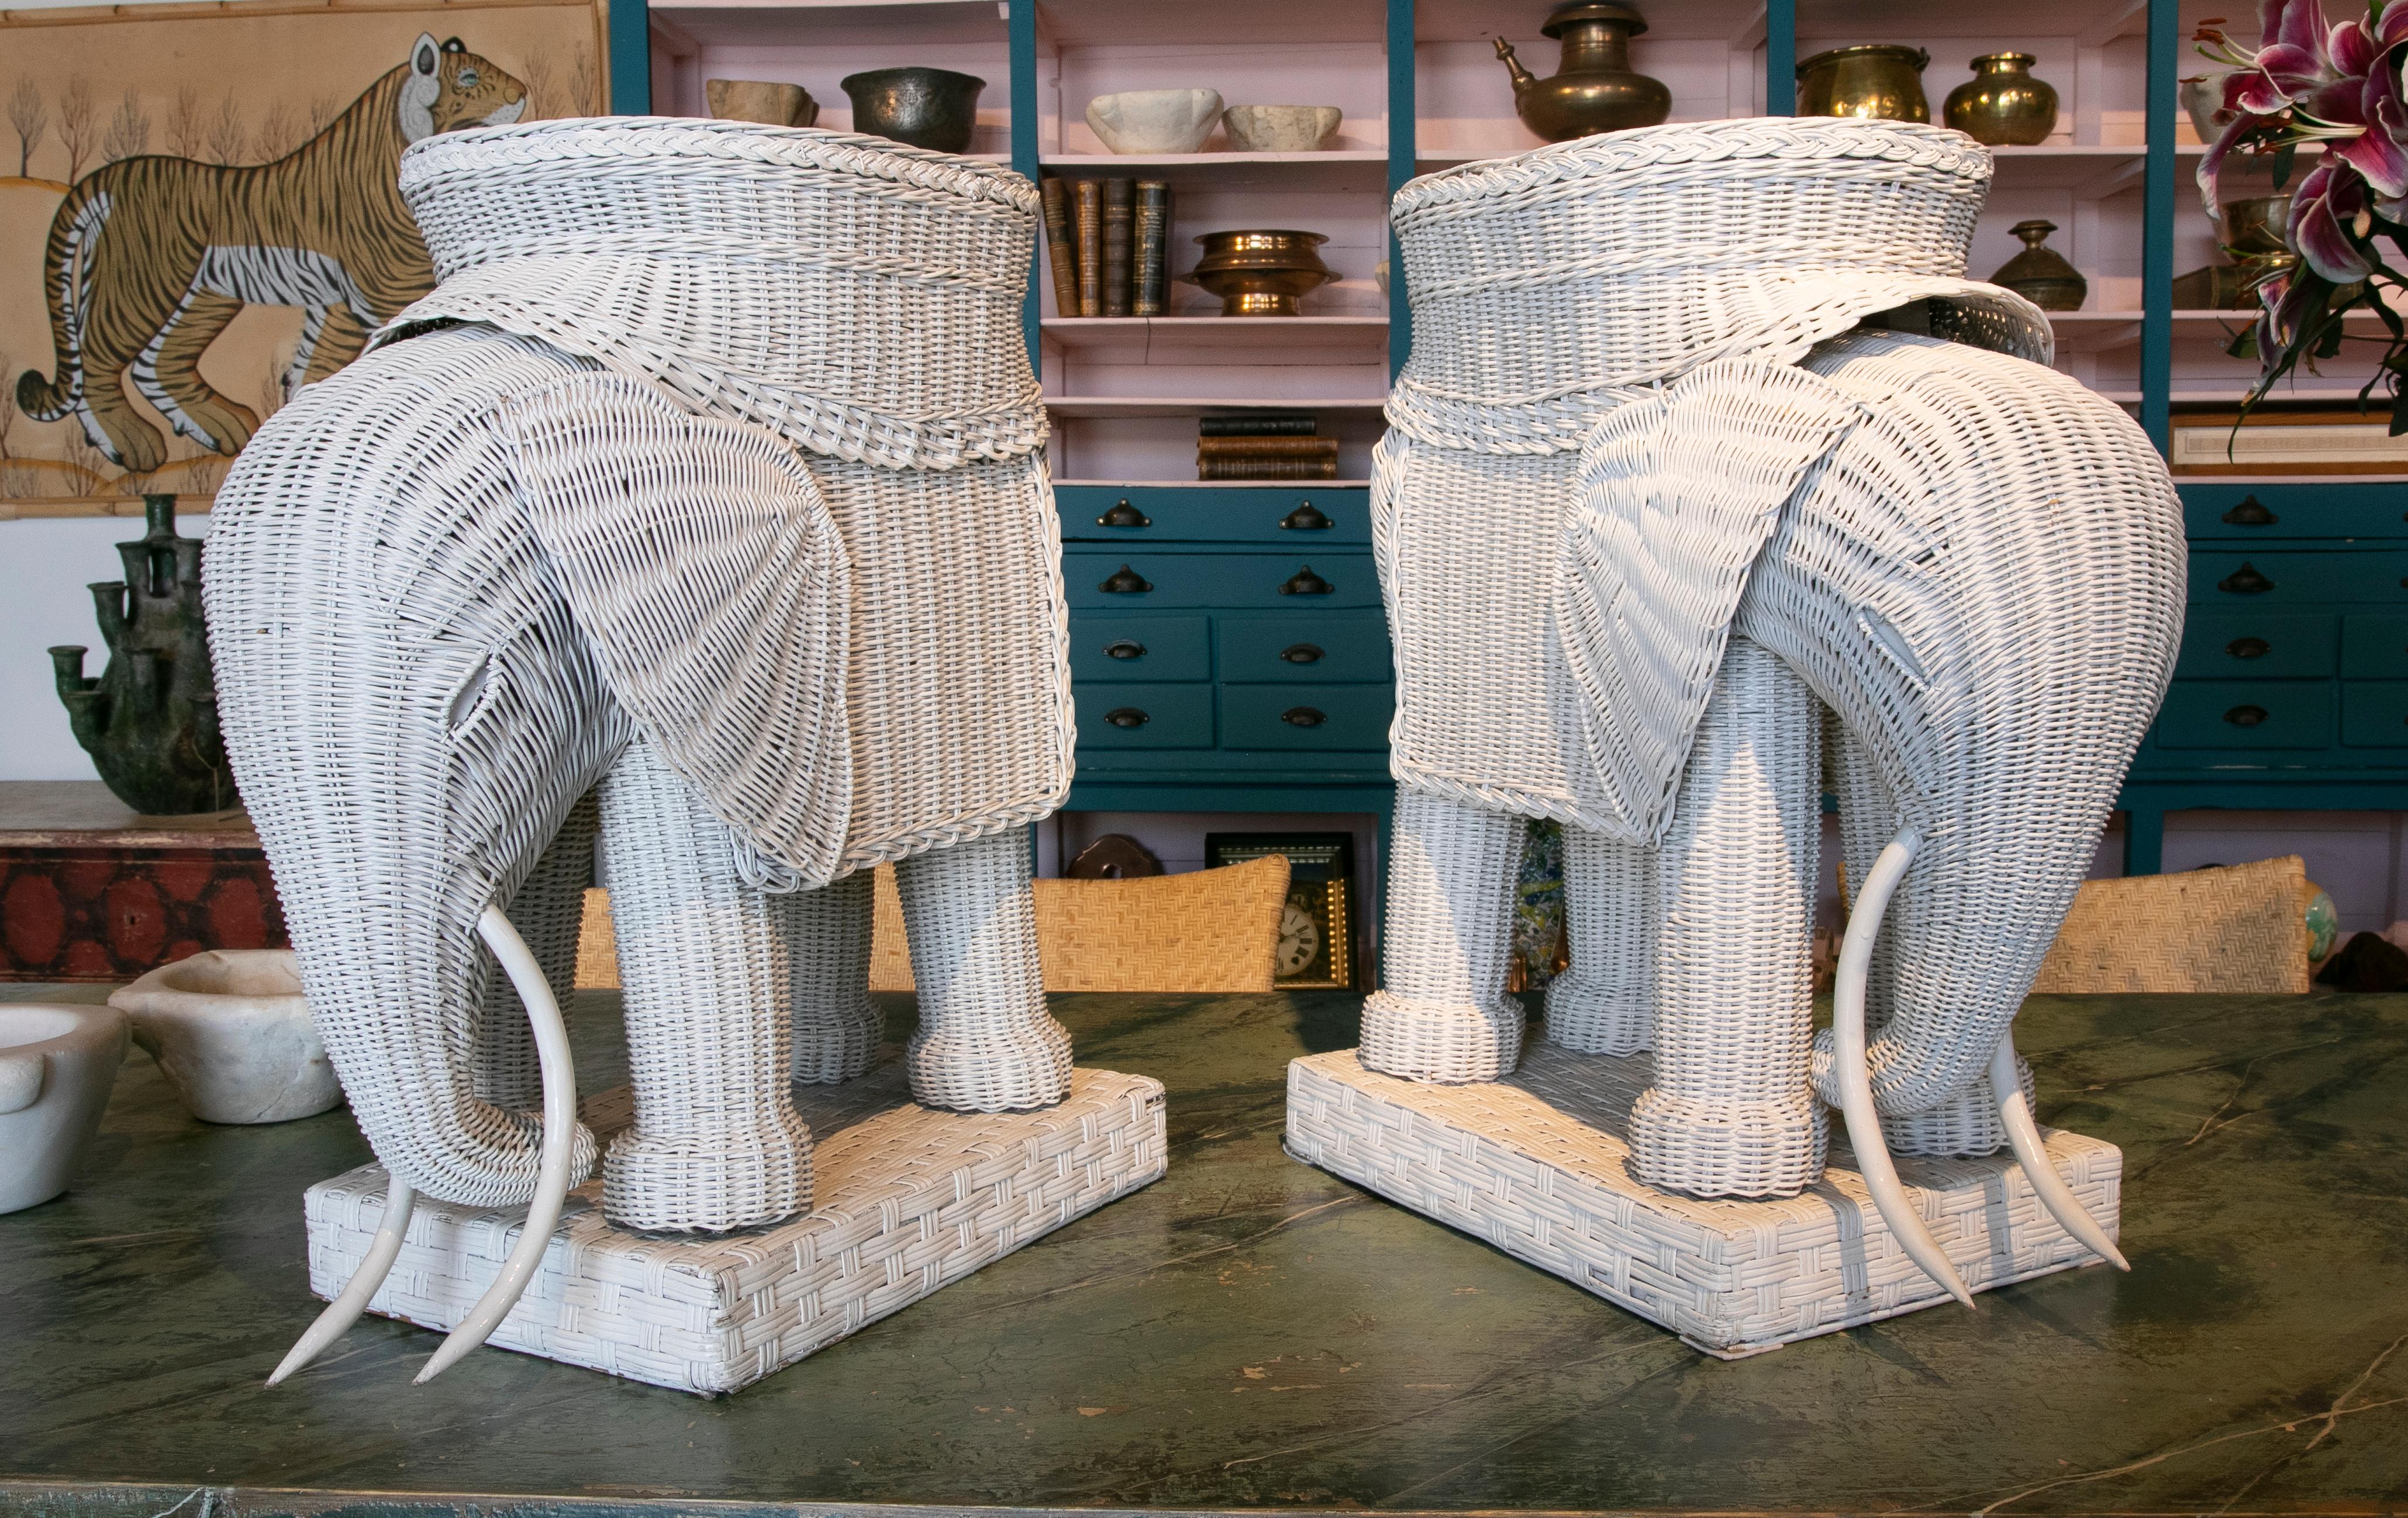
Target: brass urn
1260	273
1873	80
2003	104
2040	273
1594	89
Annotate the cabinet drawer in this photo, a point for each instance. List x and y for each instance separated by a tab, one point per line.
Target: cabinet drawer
1330	649
2236	513
2262	645
1149	716
1286	514
2246	714
1105	580
1124	648
2374	714
2374	646
1314	717
2281	578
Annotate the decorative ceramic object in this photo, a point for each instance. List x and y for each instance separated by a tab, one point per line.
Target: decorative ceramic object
1154	121
920	107
231	1032
1261	273
1280	129
1594	88
1874	80
2323	920
150	720
57	1064
765	101
2003	104
2040	273
2203	101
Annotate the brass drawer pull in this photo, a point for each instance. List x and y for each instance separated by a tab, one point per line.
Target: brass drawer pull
2251	513
1306	518
1124	515
1302	654
1305	583
1125	581
1124	648
1303	717
2249	648
2245	716
1126	717
2246	581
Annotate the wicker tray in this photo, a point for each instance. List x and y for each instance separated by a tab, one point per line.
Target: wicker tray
1535	1163
910	1199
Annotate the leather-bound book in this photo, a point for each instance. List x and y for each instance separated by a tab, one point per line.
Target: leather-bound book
1059	249
1087	204
1153	248
1120	213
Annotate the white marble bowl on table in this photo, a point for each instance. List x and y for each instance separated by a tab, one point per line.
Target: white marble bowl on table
1155	120
57	1063
1281	129
231	1031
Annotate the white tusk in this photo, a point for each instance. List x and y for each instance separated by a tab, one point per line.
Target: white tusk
559	1145
1850	1072
345	1309
2023	1135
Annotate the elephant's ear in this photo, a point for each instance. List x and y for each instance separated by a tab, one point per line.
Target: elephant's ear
702	564
1678	493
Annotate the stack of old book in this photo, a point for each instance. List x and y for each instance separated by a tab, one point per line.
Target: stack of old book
1264	445
1109	243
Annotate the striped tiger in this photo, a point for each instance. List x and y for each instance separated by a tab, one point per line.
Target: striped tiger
150	257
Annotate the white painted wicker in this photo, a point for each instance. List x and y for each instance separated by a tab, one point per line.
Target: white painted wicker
1442	1015
717	434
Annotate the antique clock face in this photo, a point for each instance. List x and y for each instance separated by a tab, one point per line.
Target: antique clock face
1299	939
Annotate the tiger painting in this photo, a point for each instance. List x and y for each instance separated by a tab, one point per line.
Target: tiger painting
150	257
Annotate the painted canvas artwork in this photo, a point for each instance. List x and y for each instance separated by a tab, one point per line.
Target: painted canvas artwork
203	214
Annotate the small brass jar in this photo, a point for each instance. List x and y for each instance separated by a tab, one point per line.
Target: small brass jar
2040	273
2003	104
1261	273
1873	79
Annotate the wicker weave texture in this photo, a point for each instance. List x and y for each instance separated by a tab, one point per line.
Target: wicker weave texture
2238	929
1538	1165
909	1200
1443	1014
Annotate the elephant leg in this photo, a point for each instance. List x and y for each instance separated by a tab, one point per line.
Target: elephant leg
837	1026
1732	1113
986	1043
703	966
548	911
1443	1015
1603	1005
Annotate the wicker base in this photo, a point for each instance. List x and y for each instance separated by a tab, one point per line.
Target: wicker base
909	1199
1536	1164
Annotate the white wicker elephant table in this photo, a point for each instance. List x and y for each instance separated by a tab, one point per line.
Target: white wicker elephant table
699	507
1712	484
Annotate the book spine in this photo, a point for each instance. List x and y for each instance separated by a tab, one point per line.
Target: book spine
1120	209
1058	249
1264	424
1088	211
1267	468
1153	247
1266	448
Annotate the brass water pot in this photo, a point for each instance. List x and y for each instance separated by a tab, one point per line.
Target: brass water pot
1594	89
1873	80
1260	273
2003	104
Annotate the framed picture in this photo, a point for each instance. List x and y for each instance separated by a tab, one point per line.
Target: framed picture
1316	941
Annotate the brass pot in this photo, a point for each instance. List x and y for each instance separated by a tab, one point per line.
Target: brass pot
1875	78
2255	228
2003	104
922	107
1594	88
2040	273
1260	273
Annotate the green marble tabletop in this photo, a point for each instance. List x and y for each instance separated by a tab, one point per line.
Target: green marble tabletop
1250	1332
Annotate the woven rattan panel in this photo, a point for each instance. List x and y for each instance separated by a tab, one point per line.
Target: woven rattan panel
909	1199
1536	1165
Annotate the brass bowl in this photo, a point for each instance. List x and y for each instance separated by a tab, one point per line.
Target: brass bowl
2255	228
1260	273
1873	80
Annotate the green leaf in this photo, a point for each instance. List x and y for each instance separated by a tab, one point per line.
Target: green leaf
2281	165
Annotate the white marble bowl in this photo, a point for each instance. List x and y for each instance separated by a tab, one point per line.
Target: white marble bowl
57	1063
1155	120
1281	129
231	1031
